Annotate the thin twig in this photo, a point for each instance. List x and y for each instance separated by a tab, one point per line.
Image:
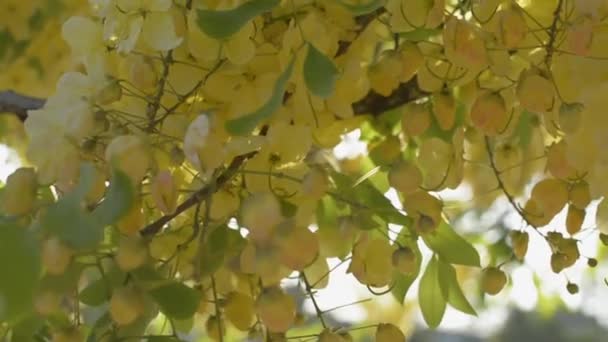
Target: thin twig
312	298
550	47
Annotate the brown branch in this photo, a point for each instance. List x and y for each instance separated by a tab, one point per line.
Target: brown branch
550	47
376	104
501	184
199	195
18	104
373	104
362	22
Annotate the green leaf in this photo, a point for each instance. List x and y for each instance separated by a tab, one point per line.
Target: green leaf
20	264
451	289
6	40
327	213
219	244
176	300
96	293
320	73
62	282
363	9
223	24
85	182
430	297
288	209
99	327
162	339
435	130
36	20
379	179
36	64
245	124
368	197
451	247
66	220
26	328
403	282
118	199
524	128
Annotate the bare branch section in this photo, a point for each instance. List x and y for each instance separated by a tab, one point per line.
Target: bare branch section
18	104
376	104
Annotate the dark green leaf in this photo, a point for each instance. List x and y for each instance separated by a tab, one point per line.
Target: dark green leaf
451	289
245	124
430	296
67	220
26	328
63	282
85	182
223	24
320	73
99	328
20	265
288	209
36	20
176	300
222	241
96	293
36	64
162	339
365	8
118	199
451	247
6	41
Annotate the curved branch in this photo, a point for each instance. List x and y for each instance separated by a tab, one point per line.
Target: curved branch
18	104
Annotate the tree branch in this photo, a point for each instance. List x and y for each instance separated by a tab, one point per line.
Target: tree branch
18	104
373	104
200	195
376	104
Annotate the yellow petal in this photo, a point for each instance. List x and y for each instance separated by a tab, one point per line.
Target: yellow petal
159	31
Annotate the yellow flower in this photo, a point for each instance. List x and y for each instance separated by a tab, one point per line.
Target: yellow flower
127	20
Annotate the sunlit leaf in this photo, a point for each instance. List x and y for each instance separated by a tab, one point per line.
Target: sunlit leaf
366	197
451	288
450	246
430	297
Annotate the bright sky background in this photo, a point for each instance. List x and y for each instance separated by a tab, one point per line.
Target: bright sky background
343	288
523	293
